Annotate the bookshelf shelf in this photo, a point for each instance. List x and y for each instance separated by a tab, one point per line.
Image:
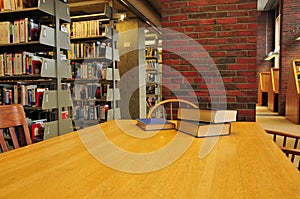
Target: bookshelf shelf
94	59
153	83
98	10
37	65
46	8
91	59
89	38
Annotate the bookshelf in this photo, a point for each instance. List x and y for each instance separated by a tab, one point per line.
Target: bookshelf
153	69
32	64
94	58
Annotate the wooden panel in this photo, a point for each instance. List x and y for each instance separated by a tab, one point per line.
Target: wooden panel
273	89
292	109
264	78
263	86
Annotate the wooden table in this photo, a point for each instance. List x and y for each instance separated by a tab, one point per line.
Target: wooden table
245	164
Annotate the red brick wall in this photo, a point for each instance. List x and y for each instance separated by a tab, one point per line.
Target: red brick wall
227	31
289	49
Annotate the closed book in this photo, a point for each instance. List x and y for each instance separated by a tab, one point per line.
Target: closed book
199	129
2	63
16	31
22	29
18	64
213	116
16	94
154	124
9	64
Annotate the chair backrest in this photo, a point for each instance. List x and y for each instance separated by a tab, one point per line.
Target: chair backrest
284	139
288	143
13	122
167	108
293	154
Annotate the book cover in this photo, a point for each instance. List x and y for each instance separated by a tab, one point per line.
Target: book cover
154	124
18	64
200	129
213	116
17	31
22	30
2	63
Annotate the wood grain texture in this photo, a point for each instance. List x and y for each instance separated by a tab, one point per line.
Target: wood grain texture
273	89
263	86
292	109
246	164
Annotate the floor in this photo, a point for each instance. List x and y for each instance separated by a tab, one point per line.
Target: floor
272	121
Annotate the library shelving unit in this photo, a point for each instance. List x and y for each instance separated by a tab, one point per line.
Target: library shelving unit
32	64
293	94
93	59
153	70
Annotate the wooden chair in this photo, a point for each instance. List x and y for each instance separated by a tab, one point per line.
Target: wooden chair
288	143
167	108
13	122
292	153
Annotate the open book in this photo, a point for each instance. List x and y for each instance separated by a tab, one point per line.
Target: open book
154	124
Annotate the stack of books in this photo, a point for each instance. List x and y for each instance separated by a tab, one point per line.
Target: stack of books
205	123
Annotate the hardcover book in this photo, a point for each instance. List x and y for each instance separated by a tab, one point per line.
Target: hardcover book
154	124
210	116
200	129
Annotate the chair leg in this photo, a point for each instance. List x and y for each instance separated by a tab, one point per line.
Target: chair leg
2	142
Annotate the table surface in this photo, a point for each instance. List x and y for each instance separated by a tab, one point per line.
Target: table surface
119	160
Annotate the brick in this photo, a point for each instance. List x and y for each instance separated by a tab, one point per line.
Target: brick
198	3
207	21
226	20
189	23
189	10
178	17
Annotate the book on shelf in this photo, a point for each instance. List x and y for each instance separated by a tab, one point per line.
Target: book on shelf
19	31
2	63
20	63
201	129
211	116
154	124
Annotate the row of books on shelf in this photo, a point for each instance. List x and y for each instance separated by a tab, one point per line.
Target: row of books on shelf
90	28
11	5
27	95
19	31
152	89
91	70
88	50
151	52
90	91
89	111
151	77
151	65
23	63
